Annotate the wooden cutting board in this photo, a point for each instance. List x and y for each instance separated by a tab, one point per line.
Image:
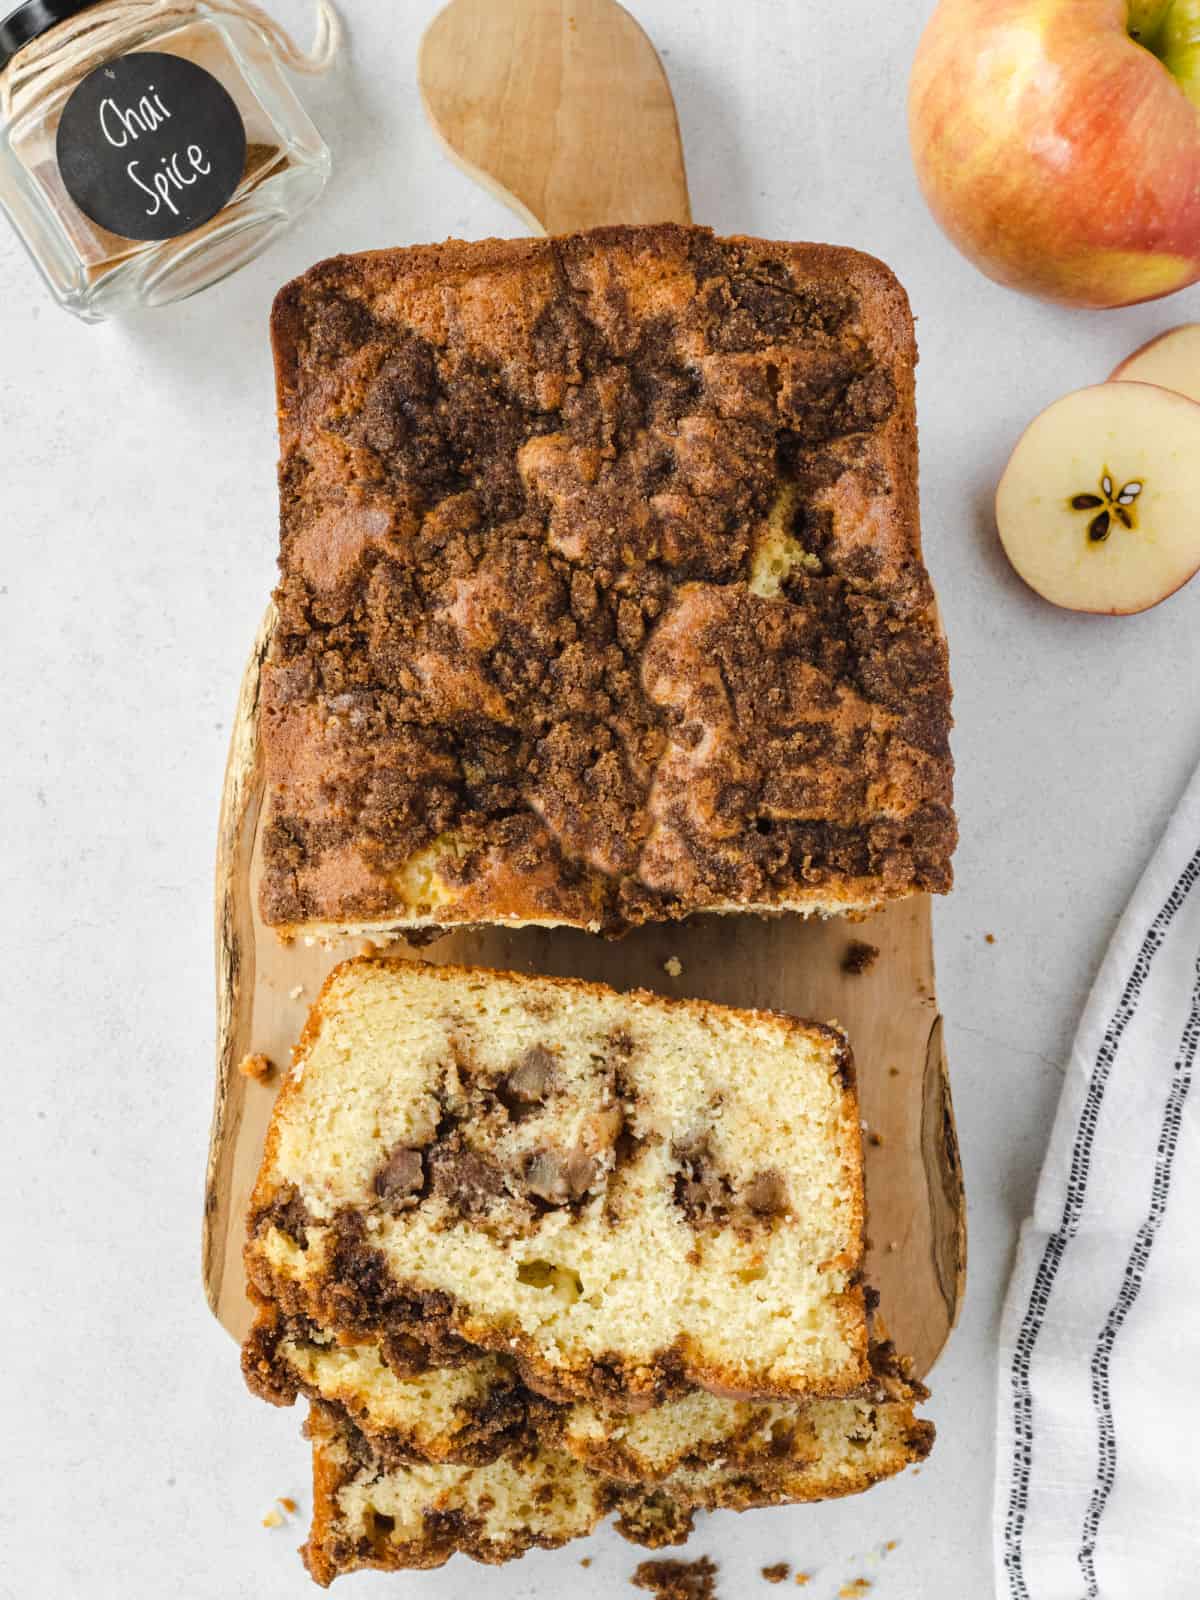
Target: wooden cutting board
563	109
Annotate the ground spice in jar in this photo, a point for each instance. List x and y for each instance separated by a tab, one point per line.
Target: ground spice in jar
148	148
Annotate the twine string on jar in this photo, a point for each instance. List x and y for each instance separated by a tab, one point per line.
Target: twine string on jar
71	48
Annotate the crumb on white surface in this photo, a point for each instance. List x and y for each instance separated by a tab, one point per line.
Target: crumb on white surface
281	1512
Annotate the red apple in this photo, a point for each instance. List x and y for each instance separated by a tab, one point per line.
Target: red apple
1057	142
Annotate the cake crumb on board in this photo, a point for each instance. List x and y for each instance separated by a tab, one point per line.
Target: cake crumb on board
778	1573
678	1580
258	1067
989	938
586	1561
296	992
860	957
673	967
803	1579
856	1589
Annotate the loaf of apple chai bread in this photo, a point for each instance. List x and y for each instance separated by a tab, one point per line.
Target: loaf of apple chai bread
601	590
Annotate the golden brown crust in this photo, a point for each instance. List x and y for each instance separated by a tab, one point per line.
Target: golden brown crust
354	1292
527	639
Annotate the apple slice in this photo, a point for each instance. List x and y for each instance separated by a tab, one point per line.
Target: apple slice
1172	361
1099	506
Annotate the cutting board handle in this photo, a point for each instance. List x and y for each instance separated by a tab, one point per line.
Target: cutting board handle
560	108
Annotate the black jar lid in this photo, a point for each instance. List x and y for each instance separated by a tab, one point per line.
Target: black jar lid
31	20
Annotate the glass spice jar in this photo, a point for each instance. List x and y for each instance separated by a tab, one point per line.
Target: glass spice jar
148	148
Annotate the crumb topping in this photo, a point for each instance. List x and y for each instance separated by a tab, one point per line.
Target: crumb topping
601	595
860	957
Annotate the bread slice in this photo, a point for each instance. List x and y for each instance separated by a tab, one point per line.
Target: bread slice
477	1410
855	1443
601	595
630	1196
368	1513
703	1445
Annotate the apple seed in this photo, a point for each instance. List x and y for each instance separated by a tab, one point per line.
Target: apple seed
1109	505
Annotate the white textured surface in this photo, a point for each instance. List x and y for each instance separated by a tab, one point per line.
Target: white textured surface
137	526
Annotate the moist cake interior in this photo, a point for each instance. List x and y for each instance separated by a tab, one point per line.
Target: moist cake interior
631	1195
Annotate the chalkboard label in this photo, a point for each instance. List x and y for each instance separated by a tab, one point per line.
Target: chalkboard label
150	146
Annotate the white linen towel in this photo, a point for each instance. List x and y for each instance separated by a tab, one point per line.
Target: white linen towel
1098	1426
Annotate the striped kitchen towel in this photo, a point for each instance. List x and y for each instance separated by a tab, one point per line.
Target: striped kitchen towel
1098	1464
